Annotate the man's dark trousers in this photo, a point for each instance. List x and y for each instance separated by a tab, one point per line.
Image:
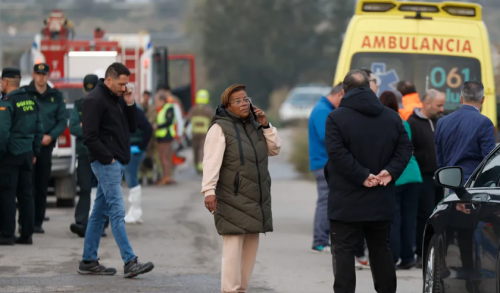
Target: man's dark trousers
426	204
345	237
85	179
16	181
41	179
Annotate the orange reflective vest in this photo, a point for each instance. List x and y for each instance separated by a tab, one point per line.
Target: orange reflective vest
410	102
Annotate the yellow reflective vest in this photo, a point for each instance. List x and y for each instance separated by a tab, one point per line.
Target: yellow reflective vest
162	119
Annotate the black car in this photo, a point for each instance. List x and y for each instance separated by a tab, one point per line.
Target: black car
462	236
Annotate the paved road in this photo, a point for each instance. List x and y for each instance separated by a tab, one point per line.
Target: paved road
179	237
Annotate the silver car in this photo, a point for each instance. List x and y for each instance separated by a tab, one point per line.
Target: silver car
301	101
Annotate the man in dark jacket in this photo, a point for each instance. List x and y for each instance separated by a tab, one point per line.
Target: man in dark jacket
85	176
20	142
55	120
423	125
109	115
363	138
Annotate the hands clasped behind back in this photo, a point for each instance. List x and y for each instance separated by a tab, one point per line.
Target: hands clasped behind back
383	178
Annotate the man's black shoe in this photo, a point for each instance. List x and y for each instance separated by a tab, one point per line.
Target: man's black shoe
38	230
104	233
24	240
78	229
6	241
46	219
94	268
135	268
406	266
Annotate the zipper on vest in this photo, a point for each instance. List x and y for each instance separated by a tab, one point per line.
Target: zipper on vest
240	147
258	176
236	183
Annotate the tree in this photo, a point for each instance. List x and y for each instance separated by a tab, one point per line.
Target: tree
268	44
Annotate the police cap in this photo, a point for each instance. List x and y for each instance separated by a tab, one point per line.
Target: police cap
41	68
89	82
10	72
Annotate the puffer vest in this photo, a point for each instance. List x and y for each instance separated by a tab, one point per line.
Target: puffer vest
244	188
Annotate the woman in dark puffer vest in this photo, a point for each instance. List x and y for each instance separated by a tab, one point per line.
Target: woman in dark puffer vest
236	182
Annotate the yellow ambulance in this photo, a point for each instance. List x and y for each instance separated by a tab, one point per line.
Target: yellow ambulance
433	45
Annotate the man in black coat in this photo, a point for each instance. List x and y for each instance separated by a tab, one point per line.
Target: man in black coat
368	149
109	115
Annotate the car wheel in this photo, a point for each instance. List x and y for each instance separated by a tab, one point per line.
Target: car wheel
432	282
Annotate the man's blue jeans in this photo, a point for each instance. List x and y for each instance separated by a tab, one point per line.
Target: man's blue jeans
132	169
108	202
321	222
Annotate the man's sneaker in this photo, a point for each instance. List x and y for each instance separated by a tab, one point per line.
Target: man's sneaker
363	261
406	266
321	249
134	268
94	268
357	265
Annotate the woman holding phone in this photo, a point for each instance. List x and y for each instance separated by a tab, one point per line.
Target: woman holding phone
236	182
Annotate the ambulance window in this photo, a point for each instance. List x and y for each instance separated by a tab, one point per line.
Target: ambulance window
444	73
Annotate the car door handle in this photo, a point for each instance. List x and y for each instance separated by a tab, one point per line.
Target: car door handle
480	198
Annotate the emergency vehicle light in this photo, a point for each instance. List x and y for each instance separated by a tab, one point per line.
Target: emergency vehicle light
93	54
460	11
377	7
418	8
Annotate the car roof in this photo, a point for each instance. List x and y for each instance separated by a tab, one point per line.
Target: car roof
311	89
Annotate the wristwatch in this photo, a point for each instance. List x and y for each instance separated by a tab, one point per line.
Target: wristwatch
268	125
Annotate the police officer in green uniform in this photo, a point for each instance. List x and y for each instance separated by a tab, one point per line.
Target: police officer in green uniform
54	119
85	176
21	134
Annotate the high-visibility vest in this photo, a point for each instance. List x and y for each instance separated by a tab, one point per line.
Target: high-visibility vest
162	119
200	124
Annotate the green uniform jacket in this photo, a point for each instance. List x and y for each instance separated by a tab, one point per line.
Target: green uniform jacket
75	129
243	190
21	128
412	172
54	115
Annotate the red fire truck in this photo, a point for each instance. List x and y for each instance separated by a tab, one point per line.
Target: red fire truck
70	59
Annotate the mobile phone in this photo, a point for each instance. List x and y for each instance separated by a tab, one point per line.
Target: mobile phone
130	88
253	112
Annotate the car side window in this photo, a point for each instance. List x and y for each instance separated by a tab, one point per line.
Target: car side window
489	175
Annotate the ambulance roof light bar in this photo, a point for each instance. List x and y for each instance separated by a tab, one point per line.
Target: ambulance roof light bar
378	7
442	9
460	11
418	8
